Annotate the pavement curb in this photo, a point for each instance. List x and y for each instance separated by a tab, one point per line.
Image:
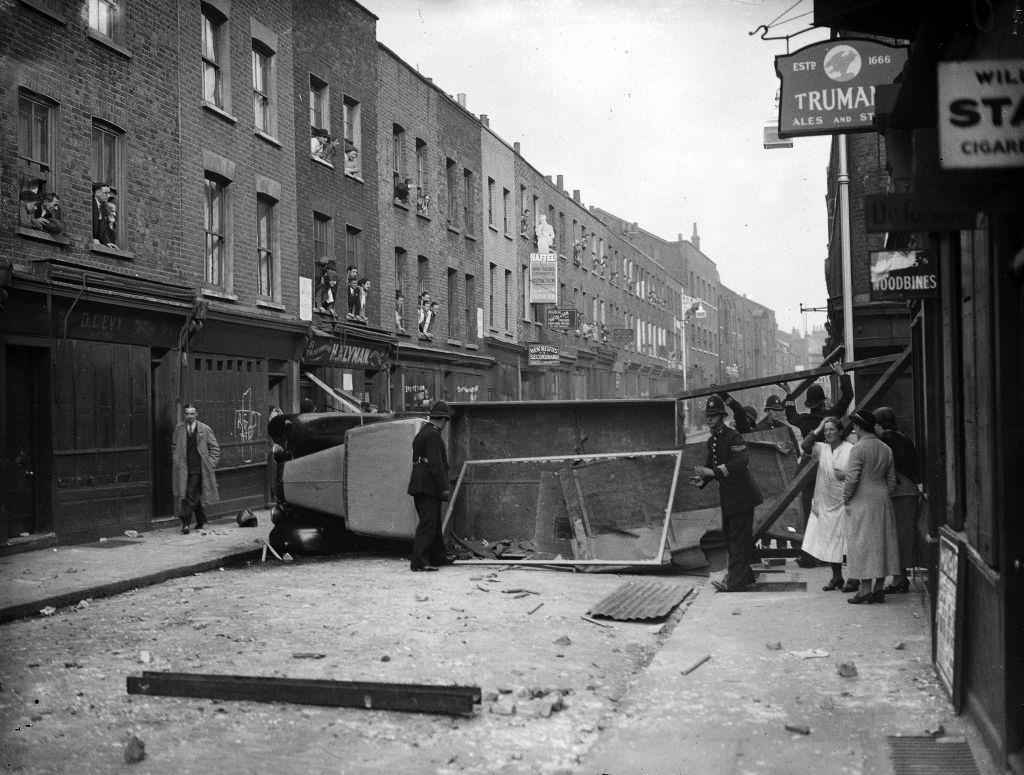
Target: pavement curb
22	610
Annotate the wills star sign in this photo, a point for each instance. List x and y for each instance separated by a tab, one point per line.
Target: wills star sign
543	278
829	87
904	274
981	114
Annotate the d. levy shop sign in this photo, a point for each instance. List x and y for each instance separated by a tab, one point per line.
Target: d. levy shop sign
829	87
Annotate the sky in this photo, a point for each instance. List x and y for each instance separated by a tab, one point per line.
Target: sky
655	110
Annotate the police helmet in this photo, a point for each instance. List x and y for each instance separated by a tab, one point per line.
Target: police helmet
715	405
773	402
815	396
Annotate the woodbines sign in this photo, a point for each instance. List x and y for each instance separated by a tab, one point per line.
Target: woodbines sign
829	87
981	114
903	274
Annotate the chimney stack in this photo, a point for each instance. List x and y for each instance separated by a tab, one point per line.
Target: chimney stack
695	239
576	195
485	120
461	97
680	238
515	147
561	182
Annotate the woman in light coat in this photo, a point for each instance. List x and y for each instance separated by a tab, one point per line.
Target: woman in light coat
825	537
872	549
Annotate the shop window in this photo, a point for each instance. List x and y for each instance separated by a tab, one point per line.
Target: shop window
216	72
108	205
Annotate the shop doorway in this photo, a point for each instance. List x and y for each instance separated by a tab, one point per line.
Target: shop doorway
27	446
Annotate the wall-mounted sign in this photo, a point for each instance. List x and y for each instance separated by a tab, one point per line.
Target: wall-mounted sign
904	274
543	278
901	212
981	114
542	354
332	351
829	87
305	298
563	319
623	337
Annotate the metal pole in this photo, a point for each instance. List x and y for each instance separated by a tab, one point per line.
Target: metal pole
843	181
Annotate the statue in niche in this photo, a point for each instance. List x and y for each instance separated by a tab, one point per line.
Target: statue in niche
545	234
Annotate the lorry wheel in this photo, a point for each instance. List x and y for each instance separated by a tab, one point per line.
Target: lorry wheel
296	539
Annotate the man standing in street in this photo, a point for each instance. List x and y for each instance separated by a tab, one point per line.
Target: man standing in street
727	463
194	454
429	486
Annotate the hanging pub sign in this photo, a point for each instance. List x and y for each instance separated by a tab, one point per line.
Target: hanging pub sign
829	87
543	278
563	319
904	274
981	114
542	354
623	337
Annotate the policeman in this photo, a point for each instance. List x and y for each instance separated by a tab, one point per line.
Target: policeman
727	463
429	485
773	418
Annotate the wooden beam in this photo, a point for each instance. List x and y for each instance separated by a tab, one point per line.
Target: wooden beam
806	376
415	698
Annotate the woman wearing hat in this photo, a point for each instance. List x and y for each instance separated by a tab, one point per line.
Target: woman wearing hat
872	551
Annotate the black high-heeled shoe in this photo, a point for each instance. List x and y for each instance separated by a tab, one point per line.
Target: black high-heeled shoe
852	585
867	597
878	596
898	588
836	583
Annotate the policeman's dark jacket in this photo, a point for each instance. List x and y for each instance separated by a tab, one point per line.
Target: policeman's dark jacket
743	422
728	458
904	455
805	422
429	463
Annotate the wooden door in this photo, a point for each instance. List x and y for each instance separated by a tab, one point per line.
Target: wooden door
25	446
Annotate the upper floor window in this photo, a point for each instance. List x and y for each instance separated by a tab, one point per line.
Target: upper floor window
353	254
215	70
352	122
322	145
422	179
107	187
215	225
450	169
506	208
266	237
38	203
323	238
490	201
261	82
104	17
468	200
397	149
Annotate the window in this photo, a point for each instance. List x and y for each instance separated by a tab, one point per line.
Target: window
470	309
398	150
422	179
323	238
524	209
36	149
508	288
215	72
400	280
215	225
561	233
422	275
353	254
492	278
468	199
352	122
266	235
524	291
262	88
452	190
107	204
453	296
506	208
490	202
104	18
321	145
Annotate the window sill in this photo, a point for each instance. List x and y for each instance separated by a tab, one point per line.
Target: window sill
267	304
510	238
35	5
219	112
424	216
400	204
492	227
103	250
454	229
454	342
110	43
214	293
493	330
267	138
509	335
318	160
472	346
471	237
404	333
42	236
354	175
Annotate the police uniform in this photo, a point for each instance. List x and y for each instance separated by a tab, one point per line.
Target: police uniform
429	485
738	493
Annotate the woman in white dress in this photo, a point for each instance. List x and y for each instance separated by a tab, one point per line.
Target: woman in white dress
825	536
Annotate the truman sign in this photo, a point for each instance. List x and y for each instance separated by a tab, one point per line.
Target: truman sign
829	87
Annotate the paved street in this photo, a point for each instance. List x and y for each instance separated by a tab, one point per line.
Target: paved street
627	707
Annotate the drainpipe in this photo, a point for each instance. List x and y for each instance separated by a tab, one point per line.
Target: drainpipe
843	183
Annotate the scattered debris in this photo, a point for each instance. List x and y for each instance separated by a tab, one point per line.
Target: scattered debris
273	551
776	646
695	664
83	603
422	598
594	621
103	540
827	703
482	589
144	657
562	640
940	731
809	654
519	591
534	609
900	646
48	611
287	557
308	655
773	561
846	669
385	658
134	751
246	518
132	533
641	599
800	729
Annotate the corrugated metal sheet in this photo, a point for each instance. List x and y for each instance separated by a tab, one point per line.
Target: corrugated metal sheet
931	756
641	600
